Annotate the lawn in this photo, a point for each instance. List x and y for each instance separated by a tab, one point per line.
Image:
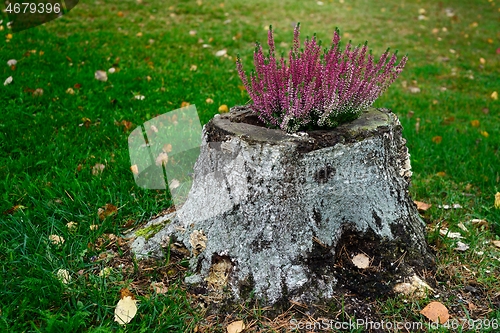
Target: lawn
64	151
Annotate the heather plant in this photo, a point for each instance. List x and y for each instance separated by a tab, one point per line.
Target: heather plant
316	88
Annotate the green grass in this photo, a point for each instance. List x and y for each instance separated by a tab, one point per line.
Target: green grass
50	143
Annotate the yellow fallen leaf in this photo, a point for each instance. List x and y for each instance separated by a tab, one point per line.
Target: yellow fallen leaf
63	276
209	101
125	310
485	134
436	312
9	36
441	174
475	123
139	34
72	226
497	200
184	104
482	61
236	327
134	169
223	108
494	95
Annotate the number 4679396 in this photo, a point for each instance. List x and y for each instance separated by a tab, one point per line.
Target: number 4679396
31	7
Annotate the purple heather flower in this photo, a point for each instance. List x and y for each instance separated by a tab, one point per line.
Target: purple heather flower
316	87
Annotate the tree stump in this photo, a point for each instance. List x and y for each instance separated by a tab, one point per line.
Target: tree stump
279	216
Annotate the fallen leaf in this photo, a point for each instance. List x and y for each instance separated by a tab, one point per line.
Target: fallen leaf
120	14
70	91
159	287
174	184
361	261
414	90
106	211
8	81
12	62
482	61
111	70
415	287
441	174
72	226
93	227
101	76
125	310
479	222
134	169
422	206
209	101
193	68
417	125
63	276
236	327
437	139
162	159
484	133
494	95
8	36
221	53
38	92
497	200
223	108
167	148
445	233
471	306
12	210
436	312
462	226
139	34
496	243
98	169
185	104
462	247
139	97
192	32
475	123
56	240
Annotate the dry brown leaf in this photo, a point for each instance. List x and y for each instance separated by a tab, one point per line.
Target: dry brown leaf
13	209
162	159
479	222
134	169
361	260
496	243
236	327
422	206
441	174
437	139
159	287
472	306
106	211
435	311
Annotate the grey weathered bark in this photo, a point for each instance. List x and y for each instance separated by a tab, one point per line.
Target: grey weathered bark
270	212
